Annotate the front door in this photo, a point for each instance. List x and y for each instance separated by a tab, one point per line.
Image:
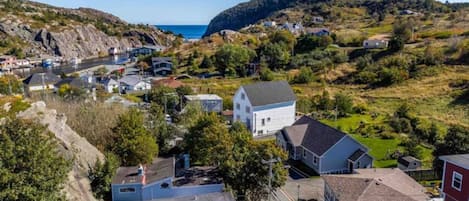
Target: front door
350	167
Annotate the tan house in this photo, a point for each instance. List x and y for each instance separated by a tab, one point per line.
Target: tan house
373	184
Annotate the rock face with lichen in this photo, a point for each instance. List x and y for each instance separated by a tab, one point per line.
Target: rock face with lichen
72	146
42	30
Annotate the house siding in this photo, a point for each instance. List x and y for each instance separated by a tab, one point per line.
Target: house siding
451	193
336	158
309	159
280	115
127	196
364	162
155	191
241	112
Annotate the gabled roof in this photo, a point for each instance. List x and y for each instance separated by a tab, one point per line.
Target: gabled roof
461	160
266	93
74	82
36	79
109	81
356	155
406	160
316	136
376	184
131	80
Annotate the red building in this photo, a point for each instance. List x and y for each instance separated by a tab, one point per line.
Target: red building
456	177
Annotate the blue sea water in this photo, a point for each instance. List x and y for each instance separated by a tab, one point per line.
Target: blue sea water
188	31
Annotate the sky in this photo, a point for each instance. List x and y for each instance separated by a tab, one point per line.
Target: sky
159	12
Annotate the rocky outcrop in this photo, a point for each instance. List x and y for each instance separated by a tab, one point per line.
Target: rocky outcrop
72	146
82	32
245	13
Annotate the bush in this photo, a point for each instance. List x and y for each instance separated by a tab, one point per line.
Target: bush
266	74
101	176
388	135
305	76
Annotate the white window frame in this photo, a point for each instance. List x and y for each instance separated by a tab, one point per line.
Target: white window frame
248	109
238	106
460	177
263	122
243	96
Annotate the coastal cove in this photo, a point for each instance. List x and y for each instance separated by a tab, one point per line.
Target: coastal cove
189	32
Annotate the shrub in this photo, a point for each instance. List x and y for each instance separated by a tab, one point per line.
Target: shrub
266	74
344	104
305	76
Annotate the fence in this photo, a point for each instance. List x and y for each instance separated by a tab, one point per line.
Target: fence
424	175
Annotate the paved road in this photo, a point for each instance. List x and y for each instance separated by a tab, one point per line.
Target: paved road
311	188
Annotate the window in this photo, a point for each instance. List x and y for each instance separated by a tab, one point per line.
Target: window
358	164
238	106
248	109
238	118
304	153
457	181
243	96
127	190
261	132
263	122
315	160
268	119
164	185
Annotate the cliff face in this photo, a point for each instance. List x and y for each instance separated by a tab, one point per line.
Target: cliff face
40	30
71	146
246	13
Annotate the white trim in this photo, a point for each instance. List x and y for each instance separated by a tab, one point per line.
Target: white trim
444	175
443	158
457	174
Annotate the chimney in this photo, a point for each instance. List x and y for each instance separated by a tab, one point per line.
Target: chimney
140	170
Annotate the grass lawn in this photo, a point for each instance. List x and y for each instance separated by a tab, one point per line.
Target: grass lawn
379	149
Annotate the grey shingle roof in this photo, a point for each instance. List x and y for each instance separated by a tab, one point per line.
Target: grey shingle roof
266	93
356	155
376	184
74	82
406	160
318	137
36	79
460	160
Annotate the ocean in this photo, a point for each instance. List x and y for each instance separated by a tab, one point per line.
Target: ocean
188	31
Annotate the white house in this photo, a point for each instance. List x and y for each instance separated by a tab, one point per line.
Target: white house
110	85
40	81
133	83
265	107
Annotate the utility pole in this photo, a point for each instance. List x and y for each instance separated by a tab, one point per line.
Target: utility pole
298	192
270	162
43	86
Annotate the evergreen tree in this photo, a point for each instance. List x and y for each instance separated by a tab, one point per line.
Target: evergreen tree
30	166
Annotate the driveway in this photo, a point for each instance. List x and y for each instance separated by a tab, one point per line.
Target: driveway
310	188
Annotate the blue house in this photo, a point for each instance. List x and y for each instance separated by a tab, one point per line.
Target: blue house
323	148
147	50
161	180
